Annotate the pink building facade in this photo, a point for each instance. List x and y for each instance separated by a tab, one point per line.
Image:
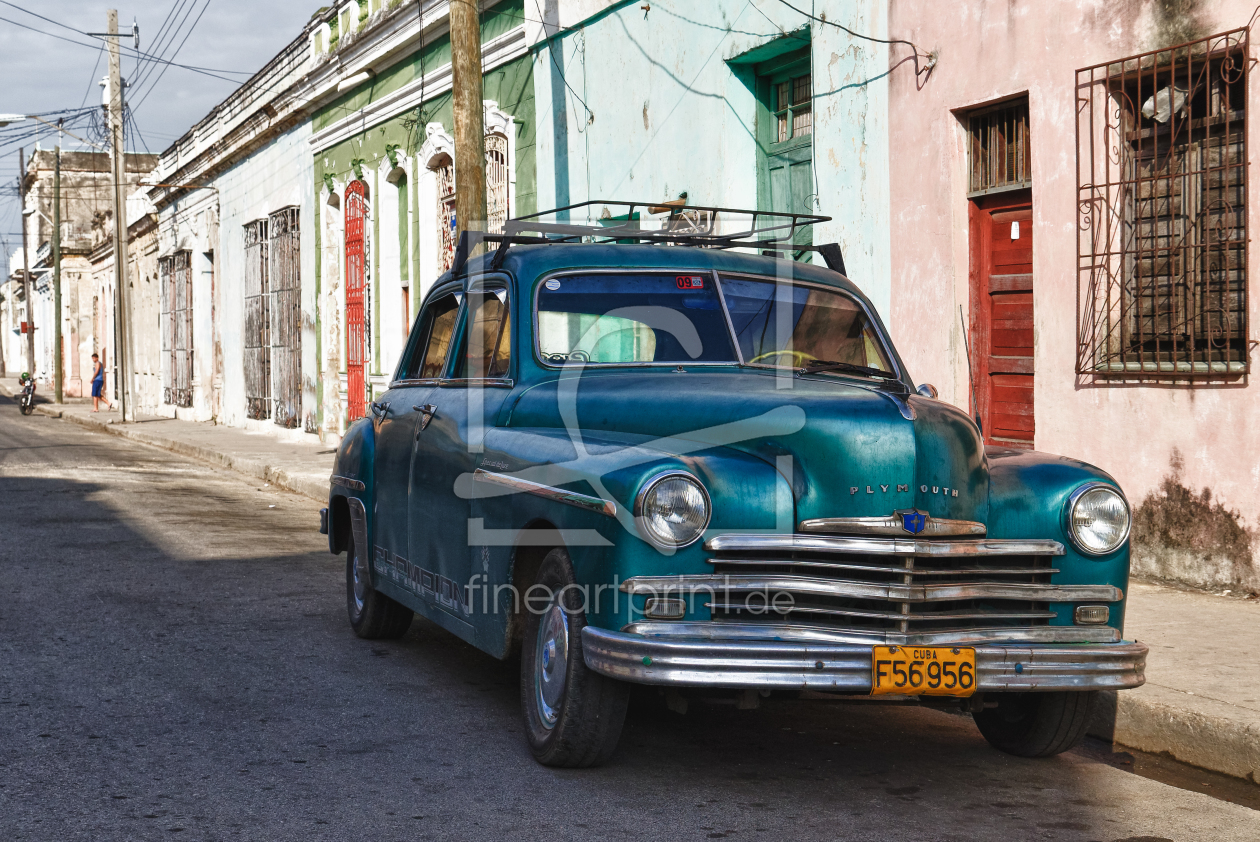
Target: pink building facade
1076	226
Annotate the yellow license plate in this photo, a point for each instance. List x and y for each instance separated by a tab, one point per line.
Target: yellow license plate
923	671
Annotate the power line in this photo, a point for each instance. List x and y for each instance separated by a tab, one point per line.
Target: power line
165	35
187	35
931	60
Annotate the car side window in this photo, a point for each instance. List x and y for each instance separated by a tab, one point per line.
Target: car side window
487	342
437	328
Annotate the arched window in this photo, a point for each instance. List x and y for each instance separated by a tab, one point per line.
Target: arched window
496	182
444	168
357	252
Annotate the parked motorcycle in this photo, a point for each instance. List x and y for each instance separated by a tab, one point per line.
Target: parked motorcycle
26	398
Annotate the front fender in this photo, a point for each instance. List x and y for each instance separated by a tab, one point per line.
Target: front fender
351	478
1028	494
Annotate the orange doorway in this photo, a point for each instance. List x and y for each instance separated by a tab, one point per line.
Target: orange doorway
356	310
1002	316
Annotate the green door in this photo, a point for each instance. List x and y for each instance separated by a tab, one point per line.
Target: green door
785	134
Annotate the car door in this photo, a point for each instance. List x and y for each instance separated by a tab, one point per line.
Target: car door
467	403
399	416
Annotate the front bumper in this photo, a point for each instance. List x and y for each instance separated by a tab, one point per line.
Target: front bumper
846	667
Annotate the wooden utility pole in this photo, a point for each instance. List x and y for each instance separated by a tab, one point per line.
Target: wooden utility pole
27	289
122	335
56	258
470	143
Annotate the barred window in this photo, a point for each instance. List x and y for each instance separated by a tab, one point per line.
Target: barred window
444	167
257	339
496	182
999	152
176	279
1162	187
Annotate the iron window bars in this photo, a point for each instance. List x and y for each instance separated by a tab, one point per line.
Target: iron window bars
257	339
1161	212
285	314
176	279
999	151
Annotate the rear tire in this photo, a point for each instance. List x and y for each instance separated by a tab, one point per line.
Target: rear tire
573	715
373	616
1037	724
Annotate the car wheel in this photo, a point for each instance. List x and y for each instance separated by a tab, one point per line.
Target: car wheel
373	616
573	715
1036	724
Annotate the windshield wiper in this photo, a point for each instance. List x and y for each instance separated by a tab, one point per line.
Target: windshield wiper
830	365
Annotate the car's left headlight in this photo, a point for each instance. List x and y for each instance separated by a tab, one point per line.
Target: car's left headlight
672	509
1098	519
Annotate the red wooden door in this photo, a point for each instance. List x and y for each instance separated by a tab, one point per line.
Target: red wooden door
356	310
1002	317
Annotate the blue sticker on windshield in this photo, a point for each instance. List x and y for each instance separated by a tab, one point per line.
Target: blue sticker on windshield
553	284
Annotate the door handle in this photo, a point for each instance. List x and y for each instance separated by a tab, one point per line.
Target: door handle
380	408
427	411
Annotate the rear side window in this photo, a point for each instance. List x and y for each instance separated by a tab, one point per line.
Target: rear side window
437	327
628	318
488	340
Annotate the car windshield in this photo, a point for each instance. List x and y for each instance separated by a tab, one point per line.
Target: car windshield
786	325
632	318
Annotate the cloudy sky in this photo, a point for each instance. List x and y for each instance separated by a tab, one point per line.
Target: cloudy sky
44	74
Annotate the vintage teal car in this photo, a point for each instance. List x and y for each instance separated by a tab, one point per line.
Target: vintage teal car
645	456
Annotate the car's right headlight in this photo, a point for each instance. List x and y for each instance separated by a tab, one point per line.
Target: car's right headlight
672	509
1098	518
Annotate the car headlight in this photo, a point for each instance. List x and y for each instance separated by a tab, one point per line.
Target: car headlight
672	509
1098	518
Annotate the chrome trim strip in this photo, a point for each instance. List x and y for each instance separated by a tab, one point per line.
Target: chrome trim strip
571	498
346	482
722	582
488	382
419	381
806	633
880	546
883	568
847	667
891	525
893	615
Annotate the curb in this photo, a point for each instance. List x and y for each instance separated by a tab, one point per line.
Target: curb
279	477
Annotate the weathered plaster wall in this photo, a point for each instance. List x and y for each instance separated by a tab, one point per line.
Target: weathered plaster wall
1204	439
673	112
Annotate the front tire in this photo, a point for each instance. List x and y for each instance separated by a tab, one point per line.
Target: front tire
1037	724
373	616
573	715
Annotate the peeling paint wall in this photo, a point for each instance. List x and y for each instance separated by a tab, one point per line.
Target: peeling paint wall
992	49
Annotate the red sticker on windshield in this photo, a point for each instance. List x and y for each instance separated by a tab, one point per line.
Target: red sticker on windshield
690	282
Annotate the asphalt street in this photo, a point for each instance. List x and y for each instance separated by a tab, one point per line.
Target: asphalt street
175	662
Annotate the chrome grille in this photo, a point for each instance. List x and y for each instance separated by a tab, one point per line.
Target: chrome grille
889	589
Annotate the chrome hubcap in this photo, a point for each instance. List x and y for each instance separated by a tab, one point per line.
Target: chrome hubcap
551	664
360	573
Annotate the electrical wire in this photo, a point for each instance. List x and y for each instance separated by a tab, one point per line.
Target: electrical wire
143	70
918	54
590	114
162	73
164	40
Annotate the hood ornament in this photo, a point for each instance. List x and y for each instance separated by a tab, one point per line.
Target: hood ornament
913	520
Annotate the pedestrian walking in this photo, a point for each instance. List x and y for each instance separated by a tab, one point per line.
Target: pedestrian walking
98	385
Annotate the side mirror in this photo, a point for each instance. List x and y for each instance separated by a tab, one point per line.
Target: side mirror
927	390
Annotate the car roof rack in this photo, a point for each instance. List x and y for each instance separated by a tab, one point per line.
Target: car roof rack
673	223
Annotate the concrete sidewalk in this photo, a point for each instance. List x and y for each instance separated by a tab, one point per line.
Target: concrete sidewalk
1201	702
296	466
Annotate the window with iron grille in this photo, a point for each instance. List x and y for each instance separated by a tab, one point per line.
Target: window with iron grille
793	103
1161	211
284	277
257	338
496	182
176	278
998	150
444	168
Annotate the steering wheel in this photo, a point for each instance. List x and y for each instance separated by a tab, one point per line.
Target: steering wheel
799	358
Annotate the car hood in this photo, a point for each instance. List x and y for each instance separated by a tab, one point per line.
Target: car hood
848	449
